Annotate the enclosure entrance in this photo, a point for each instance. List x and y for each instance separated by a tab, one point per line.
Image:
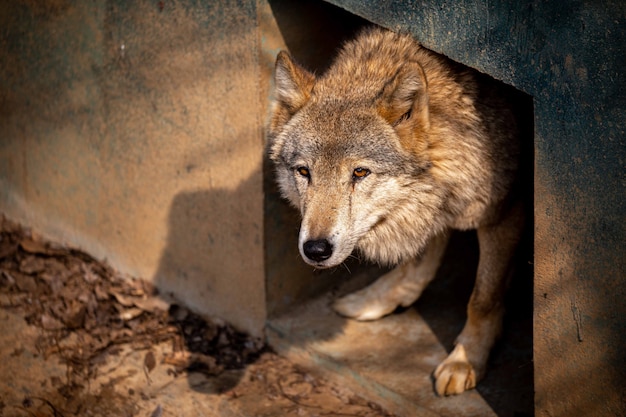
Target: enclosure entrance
392	358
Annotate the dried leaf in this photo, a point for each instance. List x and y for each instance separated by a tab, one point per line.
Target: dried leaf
35	247
131	313
122	299
6	279
50	323
54	281
179	359
75	315
152	304
149	361
136	288
25	283
88	274
32	264
116	335
101	293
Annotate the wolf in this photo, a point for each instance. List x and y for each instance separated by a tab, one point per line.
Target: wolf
385	153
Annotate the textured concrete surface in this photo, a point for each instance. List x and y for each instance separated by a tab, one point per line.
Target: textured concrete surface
134	131
392	359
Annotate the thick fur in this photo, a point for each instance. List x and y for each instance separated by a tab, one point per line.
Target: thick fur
385	153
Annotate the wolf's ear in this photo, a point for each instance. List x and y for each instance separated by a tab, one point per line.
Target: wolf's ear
405	98
293	83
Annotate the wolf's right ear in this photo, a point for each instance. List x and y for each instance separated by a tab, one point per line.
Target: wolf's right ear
405	98
293	83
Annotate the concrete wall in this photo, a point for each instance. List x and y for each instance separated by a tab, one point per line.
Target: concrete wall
133	130
570	57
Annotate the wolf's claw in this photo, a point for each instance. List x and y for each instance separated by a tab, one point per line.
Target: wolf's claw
455	374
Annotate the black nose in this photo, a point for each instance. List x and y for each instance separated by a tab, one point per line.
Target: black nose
317	250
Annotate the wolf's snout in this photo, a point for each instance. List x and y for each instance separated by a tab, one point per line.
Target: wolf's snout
317	250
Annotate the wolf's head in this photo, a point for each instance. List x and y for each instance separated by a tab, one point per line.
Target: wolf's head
349	153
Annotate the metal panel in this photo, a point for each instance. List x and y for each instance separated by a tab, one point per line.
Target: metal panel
570	57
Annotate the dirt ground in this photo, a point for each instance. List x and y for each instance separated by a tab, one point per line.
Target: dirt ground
80	339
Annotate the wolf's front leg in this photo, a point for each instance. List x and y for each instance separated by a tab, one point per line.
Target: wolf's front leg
466	364
399	287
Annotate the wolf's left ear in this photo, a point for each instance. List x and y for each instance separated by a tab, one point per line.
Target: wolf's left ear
406	97
293	83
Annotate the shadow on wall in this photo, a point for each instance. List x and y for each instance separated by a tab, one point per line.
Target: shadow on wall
213	263
313	46
214	251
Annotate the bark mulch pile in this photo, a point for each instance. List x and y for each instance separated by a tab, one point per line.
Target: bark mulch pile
87	312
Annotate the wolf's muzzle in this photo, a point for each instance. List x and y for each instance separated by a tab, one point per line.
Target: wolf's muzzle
317	250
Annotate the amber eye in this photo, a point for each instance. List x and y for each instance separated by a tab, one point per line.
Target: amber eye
359	173
304	171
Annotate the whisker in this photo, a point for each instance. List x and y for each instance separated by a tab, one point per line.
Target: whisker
355	257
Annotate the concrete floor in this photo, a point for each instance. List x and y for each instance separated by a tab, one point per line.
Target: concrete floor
392	359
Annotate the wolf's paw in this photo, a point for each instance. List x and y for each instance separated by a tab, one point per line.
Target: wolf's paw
455	374
363	307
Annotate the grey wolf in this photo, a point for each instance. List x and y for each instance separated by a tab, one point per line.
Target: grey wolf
385	153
